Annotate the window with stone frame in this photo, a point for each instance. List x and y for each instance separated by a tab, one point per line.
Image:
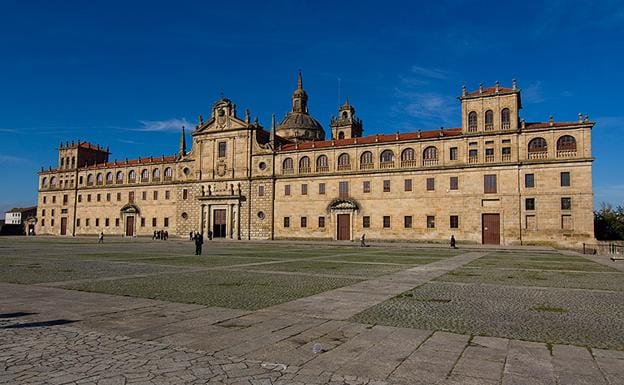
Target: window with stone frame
407	221
454	183
529	180
407	185
304	189
386	185
472	121
343	189
454	222
321	222
529	204
506	119
261	191
489	120
222	149
286	222
304	221
566	222
366	186
166	222
430	184
366	221
287	190
565	179
321	188
566	203
386	221
430	221
489	184
453	153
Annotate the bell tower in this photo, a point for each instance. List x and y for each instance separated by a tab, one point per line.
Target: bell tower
300	97
346	125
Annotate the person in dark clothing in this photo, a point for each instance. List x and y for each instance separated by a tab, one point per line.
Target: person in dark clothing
191	236
199	240
453	242
209	235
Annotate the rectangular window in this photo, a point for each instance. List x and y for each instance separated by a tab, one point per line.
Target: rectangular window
87	222
108	197
97	222
529	204
304	221
52	212
63	211
506	152
566	203
88	197
166	222
386	185
321	188
430	222
99	197
116	222
453	153
454	183
65	199
43	212
565	179
304	189
155	195
286	221
430	184
365	221
531	222
144	195
44	199
529	180
343	189
407	221
222	148
79	198
106	222
142	222
53	198
153	222
408	185
473	155
184	194
287	190
366	186
260	191
321	223
118	197
77	222
489	184
131	196
566	222
167	194
386	221
454	221
43	223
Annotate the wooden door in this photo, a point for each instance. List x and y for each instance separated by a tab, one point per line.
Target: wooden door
64	226
218	224
491	229
129	226
344	227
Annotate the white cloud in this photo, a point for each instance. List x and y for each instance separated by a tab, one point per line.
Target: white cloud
432	73
162	125
12	159
533	93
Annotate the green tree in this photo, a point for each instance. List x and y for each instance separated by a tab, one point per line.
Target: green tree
609	223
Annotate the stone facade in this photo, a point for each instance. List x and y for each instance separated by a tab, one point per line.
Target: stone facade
497	179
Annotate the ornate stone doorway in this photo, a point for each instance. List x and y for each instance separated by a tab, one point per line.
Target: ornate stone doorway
343	211
129	214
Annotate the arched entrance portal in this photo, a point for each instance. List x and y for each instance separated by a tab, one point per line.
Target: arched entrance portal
130	214
343	211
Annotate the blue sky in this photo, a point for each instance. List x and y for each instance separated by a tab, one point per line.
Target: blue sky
128	74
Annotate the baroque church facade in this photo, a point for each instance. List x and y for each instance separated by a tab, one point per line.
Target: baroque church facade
495	180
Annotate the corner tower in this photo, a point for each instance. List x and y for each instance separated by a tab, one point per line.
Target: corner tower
346	125
298	124
490	109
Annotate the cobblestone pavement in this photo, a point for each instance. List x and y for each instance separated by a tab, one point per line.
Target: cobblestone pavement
56	336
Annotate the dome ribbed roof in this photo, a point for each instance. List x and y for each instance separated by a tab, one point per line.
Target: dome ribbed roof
297	125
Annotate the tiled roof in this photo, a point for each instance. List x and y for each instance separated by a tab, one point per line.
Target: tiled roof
22	209
135	162
86	145
380	138
553	124
490	91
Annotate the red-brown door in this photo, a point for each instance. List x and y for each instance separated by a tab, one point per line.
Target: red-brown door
491	229
64	226
344	227
129	226
218	226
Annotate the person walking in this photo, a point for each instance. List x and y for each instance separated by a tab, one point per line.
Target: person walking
101	237
199	240
363	240
453	242
191	236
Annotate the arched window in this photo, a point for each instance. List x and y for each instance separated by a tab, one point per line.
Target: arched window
131	176
366	160
489	120
322	164
472	121
430	156
156	174
566	143
44	182
408	154
144	175
287	165
345	114
168	173
90	180
386	156
73	162
506	119
341	135
538	145
109	177
344	162
119	177
99	179
53	182
304	164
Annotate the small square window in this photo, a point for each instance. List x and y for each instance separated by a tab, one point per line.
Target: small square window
321	222
565	179
566	203
366	221
386	186
430	222
529	180
454	221
286	221
407	221
386	221
454	183
366	186
529	204
430	184
408	185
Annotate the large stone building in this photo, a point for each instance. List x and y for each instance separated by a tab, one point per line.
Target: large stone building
496	179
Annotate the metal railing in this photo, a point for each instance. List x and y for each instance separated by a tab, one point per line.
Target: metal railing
610	249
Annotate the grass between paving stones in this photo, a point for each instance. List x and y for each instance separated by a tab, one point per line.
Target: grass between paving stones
202	261
332	267
540	262
545	315
230	289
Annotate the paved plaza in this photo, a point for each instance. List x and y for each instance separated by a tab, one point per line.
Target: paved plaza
149	312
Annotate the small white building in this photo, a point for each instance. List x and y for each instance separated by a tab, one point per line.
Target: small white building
13	217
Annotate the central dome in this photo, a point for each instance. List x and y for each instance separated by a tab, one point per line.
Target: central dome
298	124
